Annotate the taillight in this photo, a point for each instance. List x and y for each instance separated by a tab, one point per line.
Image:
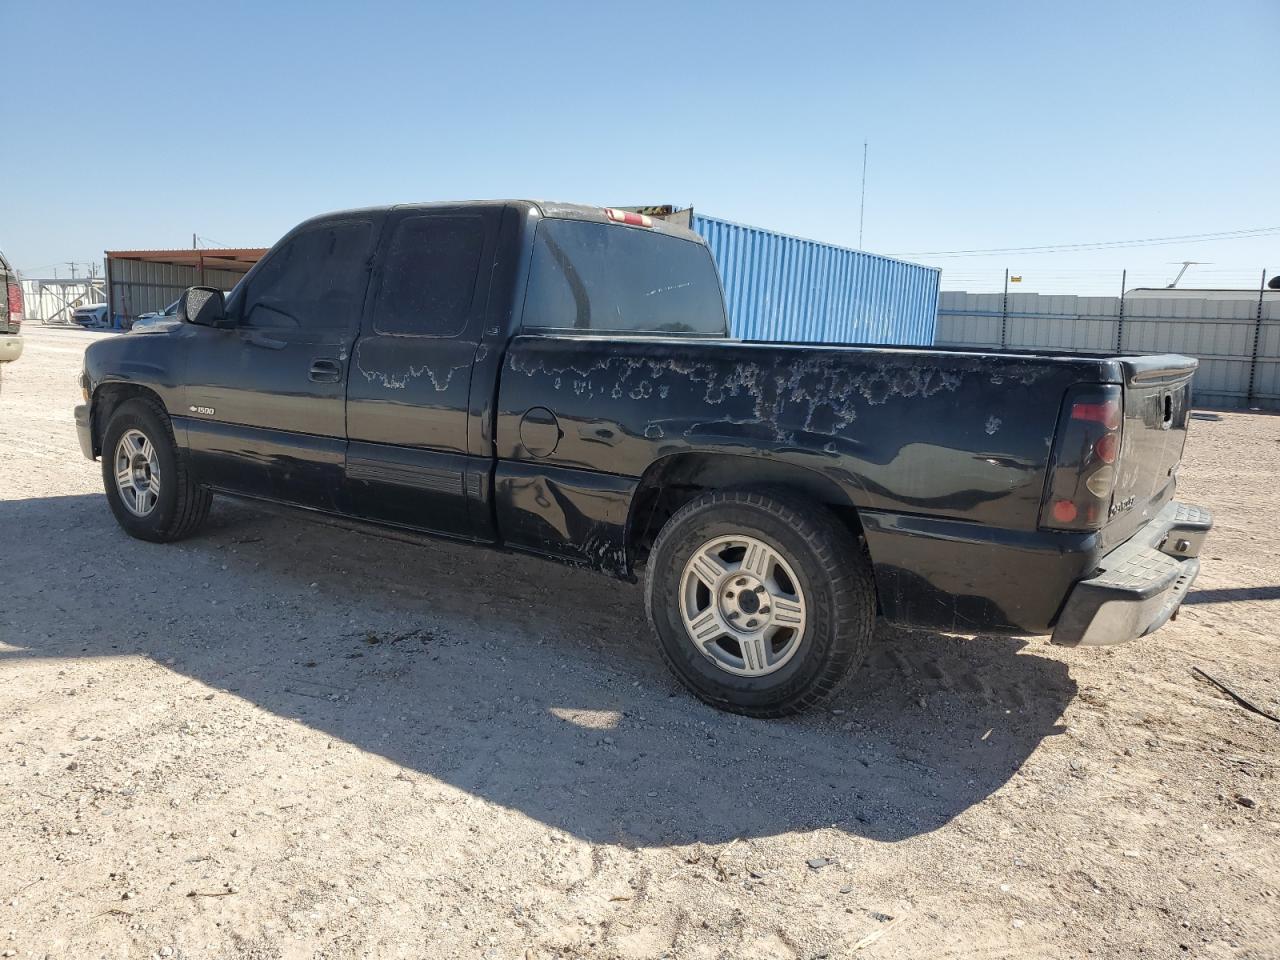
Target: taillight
1107	446
628	217
1082	472
1064	511
1106	412
15	304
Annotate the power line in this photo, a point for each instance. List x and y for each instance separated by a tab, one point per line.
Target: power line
1067	272
89	266
1103	244
1049	275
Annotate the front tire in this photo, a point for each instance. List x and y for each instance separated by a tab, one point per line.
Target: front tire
148	485
762	601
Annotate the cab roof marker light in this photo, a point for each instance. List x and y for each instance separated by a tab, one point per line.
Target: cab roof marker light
627	217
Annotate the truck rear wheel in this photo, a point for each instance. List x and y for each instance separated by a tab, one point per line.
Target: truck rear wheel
148	485
763	602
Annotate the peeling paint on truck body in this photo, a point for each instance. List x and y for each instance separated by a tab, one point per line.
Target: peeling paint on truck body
899	435
546	442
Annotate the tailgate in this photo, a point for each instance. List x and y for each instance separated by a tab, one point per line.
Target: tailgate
1157	403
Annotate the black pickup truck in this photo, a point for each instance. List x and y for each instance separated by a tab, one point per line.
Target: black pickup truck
558	380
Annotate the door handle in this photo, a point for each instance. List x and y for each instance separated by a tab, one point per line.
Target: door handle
325	371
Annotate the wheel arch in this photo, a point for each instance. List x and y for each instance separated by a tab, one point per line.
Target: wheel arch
107	397
671	482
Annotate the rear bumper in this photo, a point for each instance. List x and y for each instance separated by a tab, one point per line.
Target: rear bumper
1140	584
10	347
84	429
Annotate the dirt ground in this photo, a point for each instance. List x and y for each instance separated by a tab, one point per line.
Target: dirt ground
284	739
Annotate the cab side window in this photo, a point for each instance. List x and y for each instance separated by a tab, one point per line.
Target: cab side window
429	276
315	281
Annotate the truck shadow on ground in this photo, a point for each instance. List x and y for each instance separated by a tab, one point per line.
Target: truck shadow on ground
528	684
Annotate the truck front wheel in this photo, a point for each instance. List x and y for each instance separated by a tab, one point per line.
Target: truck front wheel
148	486
763	602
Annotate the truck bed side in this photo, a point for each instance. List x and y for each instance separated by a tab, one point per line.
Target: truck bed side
934	449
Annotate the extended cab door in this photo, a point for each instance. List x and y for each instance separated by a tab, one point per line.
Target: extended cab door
266	399
410	461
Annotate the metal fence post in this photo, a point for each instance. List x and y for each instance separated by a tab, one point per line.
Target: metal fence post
1004	311
1124	276
1257	337
111	309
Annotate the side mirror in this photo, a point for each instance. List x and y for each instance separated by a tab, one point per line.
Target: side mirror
203	305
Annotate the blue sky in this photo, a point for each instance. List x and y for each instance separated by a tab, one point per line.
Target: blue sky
991	125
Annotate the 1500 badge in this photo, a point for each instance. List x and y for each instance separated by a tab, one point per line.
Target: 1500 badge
203	411
1120	506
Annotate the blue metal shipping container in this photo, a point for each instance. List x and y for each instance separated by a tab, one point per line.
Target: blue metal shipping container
779	287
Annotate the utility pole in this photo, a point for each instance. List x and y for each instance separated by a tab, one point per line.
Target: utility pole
193	241
862	207
73	269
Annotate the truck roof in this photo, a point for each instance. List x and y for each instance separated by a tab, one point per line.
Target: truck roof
547	208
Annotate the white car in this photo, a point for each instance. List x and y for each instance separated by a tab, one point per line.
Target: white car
162	318
94	316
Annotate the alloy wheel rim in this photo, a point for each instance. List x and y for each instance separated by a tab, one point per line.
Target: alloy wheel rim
137	470
742	605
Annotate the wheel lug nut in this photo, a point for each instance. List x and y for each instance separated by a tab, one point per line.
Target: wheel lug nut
764	609
760	589
734	615
751	623
729	594
742	582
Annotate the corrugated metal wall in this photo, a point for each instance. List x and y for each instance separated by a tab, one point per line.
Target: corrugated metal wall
139	287
779	287
1220	333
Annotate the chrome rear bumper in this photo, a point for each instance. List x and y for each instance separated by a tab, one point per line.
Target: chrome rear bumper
1140	584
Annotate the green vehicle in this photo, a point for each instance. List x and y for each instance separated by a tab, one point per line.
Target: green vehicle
10	313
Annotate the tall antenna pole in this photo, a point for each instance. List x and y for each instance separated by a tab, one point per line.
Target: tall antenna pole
862	208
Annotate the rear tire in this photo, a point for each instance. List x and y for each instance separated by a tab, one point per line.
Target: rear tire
148	484
776	590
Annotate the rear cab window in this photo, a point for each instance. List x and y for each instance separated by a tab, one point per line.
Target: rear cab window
588	277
